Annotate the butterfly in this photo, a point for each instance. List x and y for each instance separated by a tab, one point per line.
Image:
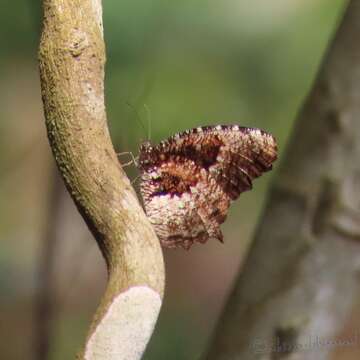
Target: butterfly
189	180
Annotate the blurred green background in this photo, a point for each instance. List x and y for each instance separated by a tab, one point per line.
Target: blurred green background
179	65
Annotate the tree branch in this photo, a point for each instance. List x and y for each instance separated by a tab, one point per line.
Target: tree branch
72	58
301	277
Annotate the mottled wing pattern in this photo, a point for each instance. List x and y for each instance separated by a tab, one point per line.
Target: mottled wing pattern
190	179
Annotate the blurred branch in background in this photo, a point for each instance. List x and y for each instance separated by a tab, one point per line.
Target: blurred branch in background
45	300
300	281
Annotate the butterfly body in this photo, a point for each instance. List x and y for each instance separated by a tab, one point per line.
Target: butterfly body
189	180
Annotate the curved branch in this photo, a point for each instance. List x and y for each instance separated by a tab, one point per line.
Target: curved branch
72	58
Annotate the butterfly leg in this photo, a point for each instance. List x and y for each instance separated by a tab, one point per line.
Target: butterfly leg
134	160
134	180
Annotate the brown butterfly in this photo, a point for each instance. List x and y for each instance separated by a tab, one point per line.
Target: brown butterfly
189	180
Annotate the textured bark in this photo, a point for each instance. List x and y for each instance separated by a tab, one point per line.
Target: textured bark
72	58
301	277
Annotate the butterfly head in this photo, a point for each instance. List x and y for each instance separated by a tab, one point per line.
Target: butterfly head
146	150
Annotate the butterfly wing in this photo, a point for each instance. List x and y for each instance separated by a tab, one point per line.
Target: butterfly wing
189	180
170	202
246	154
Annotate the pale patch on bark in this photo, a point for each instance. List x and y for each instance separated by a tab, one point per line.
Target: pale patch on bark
126	327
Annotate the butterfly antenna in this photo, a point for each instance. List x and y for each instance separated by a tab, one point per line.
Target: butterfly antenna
134	160
148	112
136	115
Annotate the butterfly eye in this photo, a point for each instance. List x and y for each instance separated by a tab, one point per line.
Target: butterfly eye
146	147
